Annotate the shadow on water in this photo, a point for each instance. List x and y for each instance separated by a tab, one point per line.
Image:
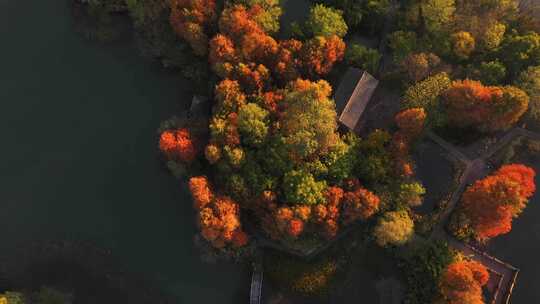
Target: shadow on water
78	158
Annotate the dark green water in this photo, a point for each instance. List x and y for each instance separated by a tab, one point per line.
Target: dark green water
78	152
521	247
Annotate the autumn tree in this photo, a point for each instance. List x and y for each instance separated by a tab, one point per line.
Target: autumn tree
462	282
10	297
419	66
394	229
463	44
222	50
411	194
492	202
236	22
432	15
178	145
411	122
287	60
470	104
200	191
191	19
493	35
229	96
359	204
326	21
212	153
438	13
265	12
424	264
319	54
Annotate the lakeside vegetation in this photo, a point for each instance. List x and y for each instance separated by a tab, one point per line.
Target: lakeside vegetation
270	159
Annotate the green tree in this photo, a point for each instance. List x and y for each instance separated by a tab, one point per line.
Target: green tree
256	177
300	187
253	124
402	44
353	11
529	81
309	124
268	16
274	158
424	265
426	94
410	194
394	229
374	13
437	13
326	21
520	51
491	73
374	165
341	161
362	57
145	12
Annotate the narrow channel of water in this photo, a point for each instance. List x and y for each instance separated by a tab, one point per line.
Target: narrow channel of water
78	152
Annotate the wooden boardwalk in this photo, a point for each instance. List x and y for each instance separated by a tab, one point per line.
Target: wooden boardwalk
255	293
475	169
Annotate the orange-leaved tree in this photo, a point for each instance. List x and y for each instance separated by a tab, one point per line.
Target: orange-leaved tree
359	204
178	145
411	122
487	108
462	281
319	54
492	202
191	19
218	216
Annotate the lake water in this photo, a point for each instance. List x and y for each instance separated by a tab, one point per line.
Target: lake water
78	152
521	247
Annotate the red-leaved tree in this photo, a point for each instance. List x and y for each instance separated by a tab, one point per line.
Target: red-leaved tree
492	202
178	145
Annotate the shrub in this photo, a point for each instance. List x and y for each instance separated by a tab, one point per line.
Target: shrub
307	278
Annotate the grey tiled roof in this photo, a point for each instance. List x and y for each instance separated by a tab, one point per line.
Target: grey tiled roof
353	95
